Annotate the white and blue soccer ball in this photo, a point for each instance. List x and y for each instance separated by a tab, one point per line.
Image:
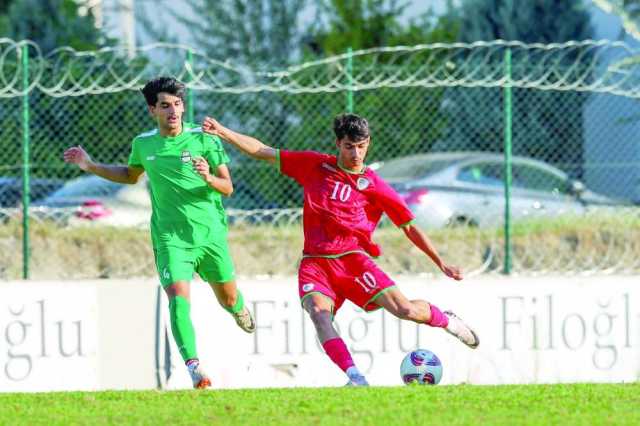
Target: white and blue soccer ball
422	367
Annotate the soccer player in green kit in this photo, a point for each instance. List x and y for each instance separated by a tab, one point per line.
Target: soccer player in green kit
187	175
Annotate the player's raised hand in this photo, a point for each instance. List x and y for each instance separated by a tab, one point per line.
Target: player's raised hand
452	272
201	166
77	155
211	126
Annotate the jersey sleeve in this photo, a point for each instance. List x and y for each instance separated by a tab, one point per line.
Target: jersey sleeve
214	151
297	164
134	156
390	202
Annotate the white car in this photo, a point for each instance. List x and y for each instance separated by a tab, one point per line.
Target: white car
92	200
445	189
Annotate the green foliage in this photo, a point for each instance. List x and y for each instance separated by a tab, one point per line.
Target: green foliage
547	125
4	19
542	21
104	124
52	24
362	24
95	121
252	32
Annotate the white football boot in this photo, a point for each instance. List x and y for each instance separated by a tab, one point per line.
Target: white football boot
199	378
245	321
462	331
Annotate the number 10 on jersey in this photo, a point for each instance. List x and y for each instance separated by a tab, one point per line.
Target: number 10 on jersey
341	191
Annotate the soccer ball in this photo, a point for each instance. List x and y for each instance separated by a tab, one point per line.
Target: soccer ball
422	367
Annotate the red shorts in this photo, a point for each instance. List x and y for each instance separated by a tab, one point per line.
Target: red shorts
354	277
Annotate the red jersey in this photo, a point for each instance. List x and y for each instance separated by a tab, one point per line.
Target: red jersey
341	209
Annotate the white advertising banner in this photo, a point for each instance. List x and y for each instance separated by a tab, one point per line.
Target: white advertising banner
532	330
48	337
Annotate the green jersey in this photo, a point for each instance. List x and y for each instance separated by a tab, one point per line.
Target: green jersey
186	211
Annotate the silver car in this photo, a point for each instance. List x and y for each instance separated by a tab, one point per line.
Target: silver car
445	189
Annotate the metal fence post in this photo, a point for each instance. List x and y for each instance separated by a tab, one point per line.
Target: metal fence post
508	117
26	252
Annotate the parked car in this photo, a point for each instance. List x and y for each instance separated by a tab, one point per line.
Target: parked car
91	199
446	189
11	194
11	189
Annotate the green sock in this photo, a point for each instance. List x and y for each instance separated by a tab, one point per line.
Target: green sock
182	328
239	305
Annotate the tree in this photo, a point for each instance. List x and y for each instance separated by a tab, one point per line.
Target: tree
53	23
363	24
547	125
250	32
540	21
4	19
57	122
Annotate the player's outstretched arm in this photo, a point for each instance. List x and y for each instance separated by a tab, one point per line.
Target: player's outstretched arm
247	144
121	174
420	240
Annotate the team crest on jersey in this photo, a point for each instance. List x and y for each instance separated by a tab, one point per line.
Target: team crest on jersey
362	183
185	157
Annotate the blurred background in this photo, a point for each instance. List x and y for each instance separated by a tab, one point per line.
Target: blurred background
509	127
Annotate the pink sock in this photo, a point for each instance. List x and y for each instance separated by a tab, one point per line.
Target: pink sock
338	352
438	319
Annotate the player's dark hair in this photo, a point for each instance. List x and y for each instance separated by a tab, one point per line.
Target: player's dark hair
162	84
352	126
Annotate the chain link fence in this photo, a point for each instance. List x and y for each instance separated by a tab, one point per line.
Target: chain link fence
444	119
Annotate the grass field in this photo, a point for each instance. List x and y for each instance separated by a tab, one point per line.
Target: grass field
581	404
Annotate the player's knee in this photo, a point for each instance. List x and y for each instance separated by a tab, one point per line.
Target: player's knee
319	315
319	312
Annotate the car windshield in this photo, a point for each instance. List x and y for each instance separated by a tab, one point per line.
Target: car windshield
403	169
88	187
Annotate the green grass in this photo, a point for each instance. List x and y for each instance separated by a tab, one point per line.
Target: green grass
579	404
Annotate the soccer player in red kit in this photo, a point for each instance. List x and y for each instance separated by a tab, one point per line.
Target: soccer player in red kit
343	203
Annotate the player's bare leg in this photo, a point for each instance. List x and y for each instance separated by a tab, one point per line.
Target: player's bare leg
320	309
422	312
230	298
183	332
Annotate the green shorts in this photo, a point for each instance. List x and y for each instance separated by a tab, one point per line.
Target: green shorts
212	262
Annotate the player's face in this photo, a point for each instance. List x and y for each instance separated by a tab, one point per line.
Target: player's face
352	154
168	111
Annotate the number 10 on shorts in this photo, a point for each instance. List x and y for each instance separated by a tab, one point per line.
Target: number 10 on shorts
367	282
